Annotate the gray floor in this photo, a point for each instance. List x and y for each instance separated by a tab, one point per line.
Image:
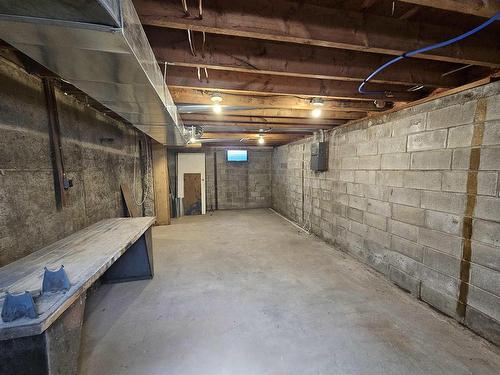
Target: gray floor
244	292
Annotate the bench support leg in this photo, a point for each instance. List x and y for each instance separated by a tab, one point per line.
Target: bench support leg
135	264
55	351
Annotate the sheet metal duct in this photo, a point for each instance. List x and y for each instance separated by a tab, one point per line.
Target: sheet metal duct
100	47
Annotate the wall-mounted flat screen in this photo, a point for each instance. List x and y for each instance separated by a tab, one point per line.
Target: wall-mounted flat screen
237	155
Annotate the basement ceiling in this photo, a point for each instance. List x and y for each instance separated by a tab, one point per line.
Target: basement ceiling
269	59
270	62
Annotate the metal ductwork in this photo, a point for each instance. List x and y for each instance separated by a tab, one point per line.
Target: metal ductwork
100	47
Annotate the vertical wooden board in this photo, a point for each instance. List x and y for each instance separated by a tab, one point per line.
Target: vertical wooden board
55	142
160	182
192	194
132	208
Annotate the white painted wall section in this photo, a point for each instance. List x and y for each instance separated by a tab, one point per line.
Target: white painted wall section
191	163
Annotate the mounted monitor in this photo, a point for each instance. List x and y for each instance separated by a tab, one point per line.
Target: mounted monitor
237	155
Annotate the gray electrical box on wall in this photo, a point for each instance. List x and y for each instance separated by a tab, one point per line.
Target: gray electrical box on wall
319	156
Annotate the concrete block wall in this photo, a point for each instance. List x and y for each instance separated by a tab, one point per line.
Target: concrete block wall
244	185
29	219
415	194
239	185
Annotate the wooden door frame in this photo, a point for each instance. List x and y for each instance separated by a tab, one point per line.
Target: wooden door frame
191	162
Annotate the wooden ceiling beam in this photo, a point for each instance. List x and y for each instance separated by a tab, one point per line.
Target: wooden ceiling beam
279	112
236	143
258	125
253	119
299	113
410	13
304	23
367	4
202	97
268	138
481	8
274	136
261	83
263	124
268	57
277	115
299	134
266	130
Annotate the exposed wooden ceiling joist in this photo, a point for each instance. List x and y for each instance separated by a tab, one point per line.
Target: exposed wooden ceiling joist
268	57
276	115
482	8
264	125
267	136
303	23
261	83
253	120
244	143
367	4
253	130
409	13
189	96
273	132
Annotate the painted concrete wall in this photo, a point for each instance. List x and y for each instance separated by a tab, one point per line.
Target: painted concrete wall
191	163
29	219
402	194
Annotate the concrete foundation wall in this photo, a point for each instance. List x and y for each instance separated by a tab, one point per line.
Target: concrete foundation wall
98	155
244	185
239	185
403	192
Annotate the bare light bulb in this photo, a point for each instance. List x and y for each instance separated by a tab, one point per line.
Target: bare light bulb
261	140
317	103
316	112
217	108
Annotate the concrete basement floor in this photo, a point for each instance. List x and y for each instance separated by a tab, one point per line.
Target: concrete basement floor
245	292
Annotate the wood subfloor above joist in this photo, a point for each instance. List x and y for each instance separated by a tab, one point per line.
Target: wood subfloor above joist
481	8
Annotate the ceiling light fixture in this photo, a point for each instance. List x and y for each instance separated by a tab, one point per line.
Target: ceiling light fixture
216	99
317	103
217	108
261	140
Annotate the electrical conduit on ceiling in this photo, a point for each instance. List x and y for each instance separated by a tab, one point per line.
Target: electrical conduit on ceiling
445	43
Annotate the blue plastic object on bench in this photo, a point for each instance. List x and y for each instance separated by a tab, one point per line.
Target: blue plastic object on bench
16	306
55	281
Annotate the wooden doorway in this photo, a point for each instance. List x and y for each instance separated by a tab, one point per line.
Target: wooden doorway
192	194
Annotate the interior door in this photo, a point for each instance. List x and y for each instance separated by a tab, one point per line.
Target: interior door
192	194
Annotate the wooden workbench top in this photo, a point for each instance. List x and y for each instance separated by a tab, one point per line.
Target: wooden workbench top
86	255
